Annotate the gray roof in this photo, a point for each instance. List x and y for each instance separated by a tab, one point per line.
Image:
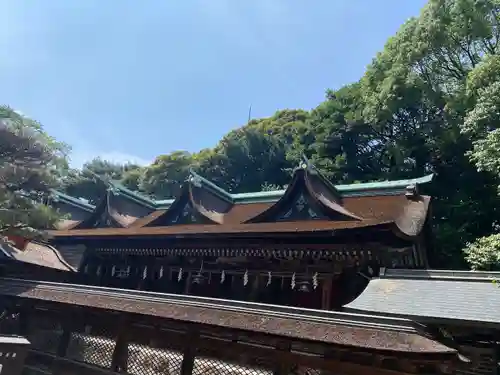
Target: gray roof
427	295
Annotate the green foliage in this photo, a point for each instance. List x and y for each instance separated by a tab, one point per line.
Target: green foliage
484	253
31	163
164	177
90	182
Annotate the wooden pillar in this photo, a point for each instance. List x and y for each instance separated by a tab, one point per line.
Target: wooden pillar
326	290
62	346
187	286
189	356
254	293
283	368
119	359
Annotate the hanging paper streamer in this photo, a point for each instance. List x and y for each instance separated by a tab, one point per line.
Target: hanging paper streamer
98	272
315	280
245	278
161	272
269	278
179	277
145	272
86	269
293	281
222	276
113	269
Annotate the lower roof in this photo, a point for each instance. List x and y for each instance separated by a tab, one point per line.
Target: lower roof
465	296
360	330
38	254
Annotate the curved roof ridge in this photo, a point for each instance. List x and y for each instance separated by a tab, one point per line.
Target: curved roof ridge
215	217
58	196
179	203
311	168
332	203
137	197
103	208
197	179
302	176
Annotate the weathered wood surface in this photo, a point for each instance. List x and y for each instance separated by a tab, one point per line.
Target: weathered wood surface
69	338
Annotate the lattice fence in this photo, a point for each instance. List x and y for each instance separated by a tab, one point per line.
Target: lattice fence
301	370
91	348
211	366
144	360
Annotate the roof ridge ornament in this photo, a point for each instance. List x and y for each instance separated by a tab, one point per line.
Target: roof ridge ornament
305	164
411	191
195	179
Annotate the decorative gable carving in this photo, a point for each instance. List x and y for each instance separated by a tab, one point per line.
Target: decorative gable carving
186	216
300	209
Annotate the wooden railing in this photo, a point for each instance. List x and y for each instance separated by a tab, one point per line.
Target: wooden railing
93	335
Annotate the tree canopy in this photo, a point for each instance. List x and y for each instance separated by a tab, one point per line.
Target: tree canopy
429	102
31	163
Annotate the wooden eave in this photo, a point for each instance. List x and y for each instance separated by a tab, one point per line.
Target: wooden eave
323	228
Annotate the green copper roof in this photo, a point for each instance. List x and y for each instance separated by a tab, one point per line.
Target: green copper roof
57	196
196	178
119	189
351	190
368	188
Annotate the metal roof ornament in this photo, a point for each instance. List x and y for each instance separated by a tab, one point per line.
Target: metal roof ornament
195	180
112	189
411	191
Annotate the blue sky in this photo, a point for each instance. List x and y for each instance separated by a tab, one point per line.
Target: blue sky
128	80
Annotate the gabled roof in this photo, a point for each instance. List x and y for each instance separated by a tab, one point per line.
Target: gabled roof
309	194
36	253
203	207
431	295
200	202
119	208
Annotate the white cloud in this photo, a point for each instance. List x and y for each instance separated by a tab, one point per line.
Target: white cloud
80	157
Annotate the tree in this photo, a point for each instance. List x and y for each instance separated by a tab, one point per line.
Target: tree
415	98
482	124
164	177
90	182
31	163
